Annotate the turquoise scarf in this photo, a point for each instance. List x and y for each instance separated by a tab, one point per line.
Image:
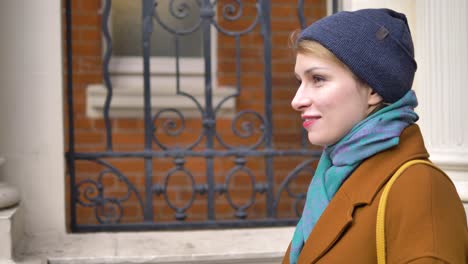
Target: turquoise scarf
374	134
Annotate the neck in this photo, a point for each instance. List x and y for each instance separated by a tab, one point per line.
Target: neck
375	108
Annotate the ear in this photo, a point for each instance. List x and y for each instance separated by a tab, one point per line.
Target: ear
373	97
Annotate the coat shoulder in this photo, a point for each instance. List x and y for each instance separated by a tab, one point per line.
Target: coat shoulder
425	217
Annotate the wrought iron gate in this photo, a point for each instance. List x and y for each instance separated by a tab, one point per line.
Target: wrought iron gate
109	209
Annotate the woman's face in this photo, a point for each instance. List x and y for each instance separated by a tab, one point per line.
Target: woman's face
329	98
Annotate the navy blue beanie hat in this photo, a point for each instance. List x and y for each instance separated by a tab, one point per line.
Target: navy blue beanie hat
375	44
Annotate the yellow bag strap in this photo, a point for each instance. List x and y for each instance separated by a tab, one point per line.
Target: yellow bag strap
380	226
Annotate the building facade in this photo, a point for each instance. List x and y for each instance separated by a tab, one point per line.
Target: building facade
32	139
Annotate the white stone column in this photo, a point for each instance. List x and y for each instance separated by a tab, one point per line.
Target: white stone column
441	51
31	134
403	6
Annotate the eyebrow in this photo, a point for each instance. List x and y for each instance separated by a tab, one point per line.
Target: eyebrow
309	70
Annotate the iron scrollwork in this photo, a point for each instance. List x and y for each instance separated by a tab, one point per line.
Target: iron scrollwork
180	212
246	129
91	193
240	209
172	127
298	198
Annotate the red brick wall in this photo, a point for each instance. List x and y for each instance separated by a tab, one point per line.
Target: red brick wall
128	132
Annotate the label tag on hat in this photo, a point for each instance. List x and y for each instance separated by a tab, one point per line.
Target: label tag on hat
382	33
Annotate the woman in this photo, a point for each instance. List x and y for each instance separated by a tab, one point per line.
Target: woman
355	71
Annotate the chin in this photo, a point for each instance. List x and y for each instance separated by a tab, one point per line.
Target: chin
321	140
317	141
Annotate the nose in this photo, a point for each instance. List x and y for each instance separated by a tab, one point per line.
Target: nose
300	101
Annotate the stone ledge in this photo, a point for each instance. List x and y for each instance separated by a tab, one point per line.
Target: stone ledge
127	101
8	235
259	245
258	259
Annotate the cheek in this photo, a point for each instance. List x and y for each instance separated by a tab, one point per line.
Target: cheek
345	109
351	110
333	101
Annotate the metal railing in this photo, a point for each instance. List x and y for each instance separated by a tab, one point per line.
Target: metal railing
109	209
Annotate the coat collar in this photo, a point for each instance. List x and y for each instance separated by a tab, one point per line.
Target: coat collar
360	189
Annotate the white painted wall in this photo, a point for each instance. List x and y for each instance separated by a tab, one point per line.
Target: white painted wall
31	132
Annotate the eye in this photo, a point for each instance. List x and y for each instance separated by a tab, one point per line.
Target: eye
318	79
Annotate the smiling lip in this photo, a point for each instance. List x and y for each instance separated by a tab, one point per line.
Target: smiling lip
309	120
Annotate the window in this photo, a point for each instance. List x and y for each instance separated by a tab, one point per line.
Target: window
126	64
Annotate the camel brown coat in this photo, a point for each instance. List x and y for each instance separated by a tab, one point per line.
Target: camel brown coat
425	219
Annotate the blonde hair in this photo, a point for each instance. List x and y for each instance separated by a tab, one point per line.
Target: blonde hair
311	47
